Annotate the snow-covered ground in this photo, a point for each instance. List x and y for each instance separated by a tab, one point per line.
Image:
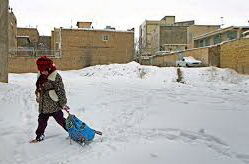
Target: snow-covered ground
144	114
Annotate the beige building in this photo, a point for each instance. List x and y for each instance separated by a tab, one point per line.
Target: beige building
167	35
146	31
219	36
197	30
86	46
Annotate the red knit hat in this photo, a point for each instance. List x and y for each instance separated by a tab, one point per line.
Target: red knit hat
45	64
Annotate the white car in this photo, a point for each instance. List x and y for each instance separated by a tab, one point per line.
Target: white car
188	62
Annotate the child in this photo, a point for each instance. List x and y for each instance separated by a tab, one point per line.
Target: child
51	96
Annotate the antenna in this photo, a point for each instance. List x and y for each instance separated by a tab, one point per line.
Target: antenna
222	21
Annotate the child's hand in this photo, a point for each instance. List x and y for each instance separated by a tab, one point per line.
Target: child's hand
66	108
37	94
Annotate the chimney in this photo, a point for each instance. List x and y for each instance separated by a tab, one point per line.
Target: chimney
84	24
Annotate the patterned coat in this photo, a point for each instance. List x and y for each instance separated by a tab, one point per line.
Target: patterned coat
52	97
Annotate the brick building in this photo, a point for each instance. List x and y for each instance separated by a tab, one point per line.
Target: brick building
86	46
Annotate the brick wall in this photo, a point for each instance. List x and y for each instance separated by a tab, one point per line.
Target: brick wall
202	54
235	55
88	48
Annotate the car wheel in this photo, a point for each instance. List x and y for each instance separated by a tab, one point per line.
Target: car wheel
187	65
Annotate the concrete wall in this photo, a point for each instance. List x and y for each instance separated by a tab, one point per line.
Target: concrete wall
173	35
235	55
214	56
155	40
4	24
150	29
12	32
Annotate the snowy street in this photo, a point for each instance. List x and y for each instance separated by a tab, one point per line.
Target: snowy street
145	116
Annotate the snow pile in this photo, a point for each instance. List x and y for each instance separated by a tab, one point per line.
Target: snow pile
128	71
136	71
211	75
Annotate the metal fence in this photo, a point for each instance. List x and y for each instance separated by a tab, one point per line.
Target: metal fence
31	52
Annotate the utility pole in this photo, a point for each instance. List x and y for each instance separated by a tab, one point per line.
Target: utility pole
4	43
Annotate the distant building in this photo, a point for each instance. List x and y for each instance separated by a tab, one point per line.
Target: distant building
167	35
32	33
30	43
219	36
83	47
146	31
197	30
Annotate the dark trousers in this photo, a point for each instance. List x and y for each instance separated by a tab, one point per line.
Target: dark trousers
43	121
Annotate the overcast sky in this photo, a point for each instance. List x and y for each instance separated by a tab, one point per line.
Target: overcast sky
125	14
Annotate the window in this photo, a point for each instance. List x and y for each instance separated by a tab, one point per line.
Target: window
217	39
231	35
207	42
105	37
201	44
